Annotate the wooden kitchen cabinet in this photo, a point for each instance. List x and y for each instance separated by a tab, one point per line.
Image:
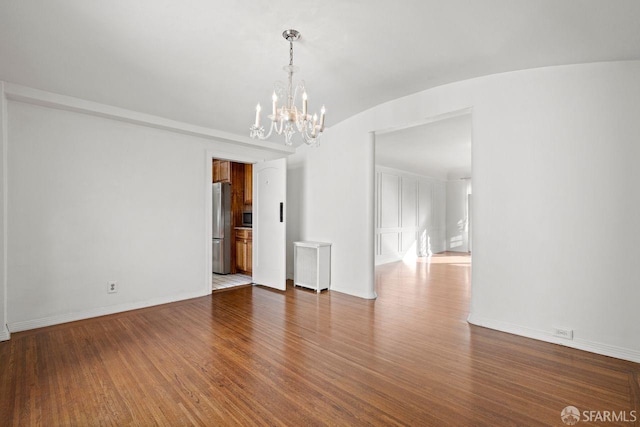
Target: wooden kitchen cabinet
248	184
249	256
221	171
244	248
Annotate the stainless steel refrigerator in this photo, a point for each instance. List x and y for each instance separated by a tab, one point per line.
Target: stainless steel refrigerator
221	227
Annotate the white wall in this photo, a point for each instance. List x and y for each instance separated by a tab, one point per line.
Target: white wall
457	215
336	204
92	200
556	208
409	215
4	331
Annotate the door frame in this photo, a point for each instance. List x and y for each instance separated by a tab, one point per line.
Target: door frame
208	210
401	126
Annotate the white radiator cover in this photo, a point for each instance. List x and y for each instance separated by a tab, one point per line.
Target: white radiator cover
312	265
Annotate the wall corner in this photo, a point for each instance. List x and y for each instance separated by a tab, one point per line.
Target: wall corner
4	332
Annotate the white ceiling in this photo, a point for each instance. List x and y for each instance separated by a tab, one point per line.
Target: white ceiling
440	149
209	62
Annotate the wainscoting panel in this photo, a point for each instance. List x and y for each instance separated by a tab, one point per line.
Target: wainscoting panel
409	205
410	215
389	243
390	193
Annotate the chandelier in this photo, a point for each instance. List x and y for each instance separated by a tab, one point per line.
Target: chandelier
287	118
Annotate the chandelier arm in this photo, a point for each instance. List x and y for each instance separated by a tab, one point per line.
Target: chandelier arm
309	138
275	126
305	137
269	133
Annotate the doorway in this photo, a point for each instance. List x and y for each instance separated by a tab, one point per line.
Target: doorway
423	190
232	214
252	222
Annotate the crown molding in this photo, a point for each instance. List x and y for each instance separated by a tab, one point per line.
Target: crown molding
29	95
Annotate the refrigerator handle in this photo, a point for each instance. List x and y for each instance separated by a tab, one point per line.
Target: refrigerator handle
281	212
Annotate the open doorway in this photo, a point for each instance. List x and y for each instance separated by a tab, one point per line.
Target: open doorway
232	222
423	190
257	226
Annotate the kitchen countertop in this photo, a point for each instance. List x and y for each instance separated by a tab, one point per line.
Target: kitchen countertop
244	228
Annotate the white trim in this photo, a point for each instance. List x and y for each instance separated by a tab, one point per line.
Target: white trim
405	174
208	218
209	156
365	295
375	217
547	336
47	99
100	311
389	258
431	119
4	124
370	242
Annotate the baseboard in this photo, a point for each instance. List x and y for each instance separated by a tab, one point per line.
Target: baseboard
386	259
540	335
4	333
96	312
371	295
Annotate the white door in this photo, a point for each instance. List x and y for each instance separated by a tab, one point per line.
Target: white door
269	223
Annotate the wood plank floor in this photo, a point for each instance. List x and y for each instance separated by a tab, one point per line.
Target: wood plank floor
252	356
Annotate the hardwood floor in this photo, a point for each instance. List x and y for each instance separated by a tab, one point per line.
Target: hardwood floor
252	356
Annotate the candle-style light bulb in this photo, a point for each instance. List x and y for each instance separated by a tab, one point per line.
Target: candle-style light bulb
258	108
304	104
322	111
274	98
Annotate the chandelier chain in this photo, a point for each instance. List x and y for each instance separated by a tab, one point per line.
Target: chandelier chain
291	53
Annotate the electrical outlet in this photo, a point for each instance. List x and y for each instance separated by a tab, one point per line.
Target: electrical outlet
112	287
563	333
